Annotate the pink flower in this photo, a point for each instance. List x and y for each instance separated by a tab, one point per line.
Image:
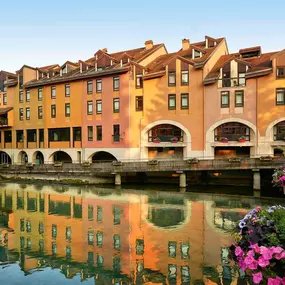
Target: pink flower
253	265
242	264
251	253
257	277
272	281
250	231
262	262
280	255
249	260
258	209
276	249
267	253
239	251
255	247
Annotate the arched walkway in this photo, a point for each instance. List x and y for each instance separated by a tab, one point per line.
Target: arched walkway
212	136
22	157
61	156
4	157
170	133
38	157
102	156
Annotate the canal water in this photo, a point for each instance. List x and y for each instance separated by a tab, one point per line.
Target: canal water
86	235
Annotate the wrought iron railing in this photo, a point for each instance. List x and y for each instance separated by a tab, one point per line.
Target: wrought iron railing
165	138
233	137
232	82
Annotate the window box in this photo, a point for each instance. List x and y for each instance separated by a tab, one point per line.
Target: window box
234	159
223	140
156	140
193	160
241	139
153	162
266	158
58	164
174	140
117	163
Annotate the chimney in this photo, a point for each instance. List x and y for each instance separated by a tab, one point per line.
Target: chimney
185	44
148	44
105	50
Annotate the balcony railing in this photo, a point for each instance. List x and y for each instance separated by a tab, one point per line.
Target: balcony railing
3	122
171	139
232	138
232	82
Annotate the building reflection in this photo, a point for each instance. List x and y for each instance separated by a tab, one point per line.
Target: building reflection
116	239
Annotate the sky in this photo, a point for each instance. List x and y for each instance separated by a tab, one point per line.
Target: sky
39	33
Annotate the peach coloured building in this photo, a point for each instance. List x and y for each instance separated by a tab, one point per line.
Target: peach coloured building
146	103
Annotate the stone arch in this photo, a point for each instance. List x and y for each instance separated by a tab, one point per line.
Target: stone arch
5	157
269	130
102	156
22	157
187	139
38	157
210	140
60	156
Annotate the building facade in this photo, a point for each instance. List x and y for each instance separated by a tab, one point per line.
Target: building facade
146	103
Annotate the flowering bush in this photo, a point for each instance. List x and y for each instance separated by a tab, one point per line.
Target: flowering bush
259	247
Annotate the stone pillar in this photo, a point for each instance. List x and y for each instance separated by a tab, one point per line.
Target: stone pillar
182	180
256	179
118	179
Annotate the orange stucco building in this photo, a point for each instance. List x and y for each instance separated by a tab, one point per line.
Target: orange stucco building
146	103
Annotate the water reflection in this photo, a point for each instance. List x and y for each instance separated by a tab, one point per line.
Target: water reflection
100	237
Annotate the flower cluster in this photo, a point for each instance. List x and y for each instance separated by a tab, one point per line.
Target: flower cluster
260	245
278	178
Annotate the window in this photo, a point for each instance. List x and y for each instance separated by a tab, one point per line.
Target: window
225	99
67	90
40	94
280	96
184	77
116	105
239	98
99	214
172	78
116	133
90	133
99	86
40	112
28	96
5	99
100	260
53	92
197	54
99	106
185	101
117	215
67	110
77	134
21	114
139	246
53	248
139	103
99	133
117	243
116	83
68	233
171	102
89	107
99	237
68	252
41	135
21	97
53	231
7	136
90	212
184	250
280	72
27	113
139	81
22	225
172	249
53	111
41	228
59	135
89	87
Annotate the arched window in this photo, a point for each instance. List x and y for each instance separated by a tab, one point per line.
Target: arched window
232	131
279	131
165	133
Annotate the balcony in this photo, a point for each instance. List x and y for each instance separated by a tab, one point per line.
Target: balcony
3	122
232	138
165	138
232	82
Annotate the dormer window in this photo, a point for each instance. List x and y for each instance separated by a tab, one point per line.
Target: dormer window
64	69
280	72
196	54
250	52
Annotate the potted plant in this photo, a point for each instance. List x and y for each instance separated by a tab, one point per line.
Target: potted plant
156	140
223	139
174	140
193	160
241	139
58	164
266	158
235	159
